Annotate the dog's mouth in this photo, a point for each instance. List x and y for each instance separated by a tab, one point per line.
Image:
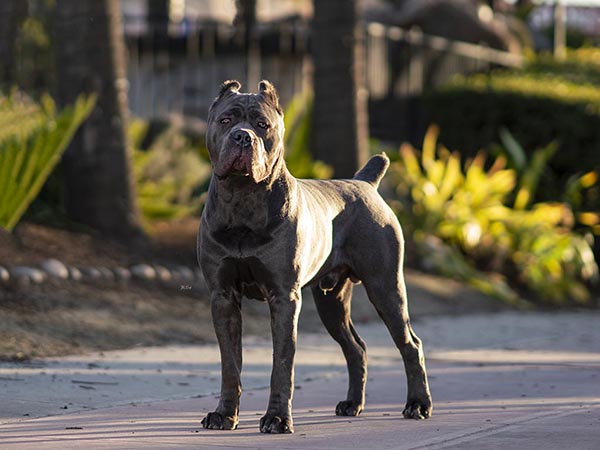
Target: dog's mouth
233	173
234	163
243	163
240	167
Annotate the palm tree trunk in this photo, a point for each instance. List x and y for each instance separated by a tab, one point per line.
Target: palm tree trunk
91	58
340	117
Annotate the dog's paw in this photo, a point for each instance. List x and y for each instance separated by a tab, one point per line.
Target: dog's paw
276	424
217	421
417	409
348	408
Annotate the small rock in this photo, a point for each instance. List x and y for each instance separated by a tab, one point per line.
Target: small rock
36	276
91	273
143	272
20	282
4	275
162	273
74	273
185	273
106	273
55	269
122	274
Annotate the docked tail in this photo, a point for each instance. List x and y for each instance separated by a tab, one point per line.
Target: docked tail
374	170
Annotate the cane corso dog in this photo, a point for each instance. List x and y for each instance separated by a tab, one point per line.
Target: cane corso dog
265	234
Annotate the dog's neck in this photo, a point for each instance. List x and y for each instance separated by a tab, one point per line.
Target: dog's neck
237	201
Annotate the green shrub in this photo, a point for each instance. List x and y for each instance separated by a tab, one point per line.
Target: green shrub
546	101
170	175
32	139
530	172
471	112
298	126
580	66
465	225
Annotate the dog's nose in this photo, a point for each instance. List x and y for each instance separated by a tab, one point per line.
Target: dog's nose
242	138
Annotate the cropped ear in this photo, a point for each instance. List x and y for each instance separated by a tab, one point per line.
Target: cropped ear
227	88
269	93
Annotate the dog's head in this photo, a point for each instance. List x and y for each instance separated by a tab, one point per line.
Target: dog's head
245	132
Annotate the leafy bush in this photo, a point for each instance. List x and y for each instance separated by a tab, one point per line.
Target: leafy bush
298	126
580	66
170	175
472	111
463	224
546	101
530	174
32	139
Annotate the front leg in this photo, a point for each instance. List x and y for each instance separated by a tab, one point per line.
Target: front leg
227	320
284	325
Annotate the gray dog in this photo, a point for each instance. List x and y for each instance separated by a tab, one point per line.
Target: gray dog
265	234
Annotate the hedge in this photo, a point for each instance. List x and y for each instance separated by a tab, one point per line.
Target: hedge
547	101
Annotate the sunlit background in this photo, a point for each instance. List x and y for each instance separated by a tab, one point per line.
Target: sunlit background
489	111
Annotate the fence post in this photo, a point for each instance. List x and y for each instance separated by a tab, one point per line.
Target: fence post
560	30
416	63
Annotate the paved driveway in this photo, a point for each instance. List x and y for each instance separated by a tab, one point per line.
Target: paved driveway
506	380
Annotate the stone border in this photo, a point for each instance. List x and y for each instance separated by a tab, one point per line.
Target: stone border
181	277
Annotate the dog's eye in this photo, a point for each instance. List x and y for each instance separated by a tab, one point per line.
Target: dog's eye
225	121
264	125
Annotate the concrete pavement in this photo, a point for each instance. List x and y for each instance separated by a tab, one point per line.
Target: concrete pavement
500	380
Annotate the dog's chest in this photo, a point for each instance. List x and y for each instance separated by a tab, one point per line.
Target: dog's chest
247	276
242	240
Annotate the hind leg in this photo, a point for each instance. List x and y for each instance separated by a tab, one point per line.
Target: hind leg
334	310
389	299
377	259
